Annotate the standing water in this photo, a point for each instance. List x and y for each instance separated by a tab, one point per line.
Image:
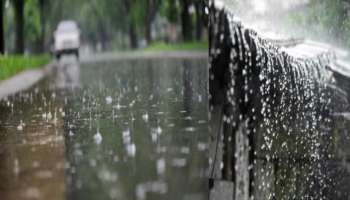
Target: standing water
132	129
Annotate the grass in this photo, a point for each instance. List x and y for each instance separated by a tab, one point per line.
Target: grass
11	65
187	46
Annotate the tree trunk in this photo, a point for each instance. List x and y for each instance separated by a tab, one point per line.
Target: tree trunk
131	26
103	37
199	23
152	8
2	40
148	22
186	21
102	32
19	21
133	36
42	26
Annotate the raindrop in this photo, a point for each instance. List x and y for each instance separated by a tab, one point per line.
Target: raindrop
98	137
190	129
71	133
131	149
16	168
161	166
145	117
158	130
185	150
126	136
109	100
49	116
20	126
179	162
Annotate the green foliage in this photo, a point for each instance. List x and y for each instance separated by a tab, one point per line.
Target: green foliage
105	22
91	15
187	46
32	25
11	65
9	26
170	9
138	12
324	18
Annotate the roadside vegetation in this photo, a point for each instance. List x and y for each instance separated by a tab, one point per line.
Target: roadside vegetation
106	25
188	46
11	65
27	27
323	19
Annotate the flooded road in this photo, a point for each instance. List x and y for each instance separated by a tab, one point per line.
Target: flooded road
135	129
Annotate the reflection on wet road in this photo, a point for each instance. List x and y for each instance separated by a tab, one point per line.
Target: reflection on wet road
133	129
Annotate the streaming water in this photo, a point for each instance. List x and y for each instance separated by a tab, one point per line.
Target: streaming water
279	108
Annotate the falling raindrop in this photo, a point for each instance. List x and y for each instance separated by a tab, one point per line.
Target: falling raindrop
131	149
160	166
49	116
16	167
71	133
20	126
98	137
109	100
145	117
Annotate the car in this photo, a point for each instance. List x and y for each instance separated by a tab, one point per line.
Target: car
66	39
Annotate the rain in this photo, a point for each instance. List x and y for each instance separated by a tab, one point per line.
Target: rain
116	141
275	112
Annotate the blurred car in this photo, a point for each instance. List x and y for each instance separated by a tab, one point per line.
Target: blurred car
66	39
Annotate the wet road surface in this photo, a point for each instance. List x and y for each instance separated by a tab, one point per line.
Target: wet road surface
135	129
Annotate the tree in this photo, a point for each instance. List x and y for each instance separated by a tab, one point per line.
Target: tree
19	24
148	20
2	40
152	8
110	23
98	8
323	19
186	20
199	7
33	27
170	10
132	27
42	4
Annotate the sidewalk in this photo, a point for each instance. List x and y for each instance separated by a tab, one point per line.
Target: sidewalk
23	81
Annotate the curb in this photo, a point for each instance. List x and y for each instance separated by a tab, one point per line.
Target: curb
23	80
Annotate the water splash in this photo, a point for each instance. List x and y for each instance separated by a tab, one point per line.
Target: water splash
98	137
109	100
284	103
21	126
